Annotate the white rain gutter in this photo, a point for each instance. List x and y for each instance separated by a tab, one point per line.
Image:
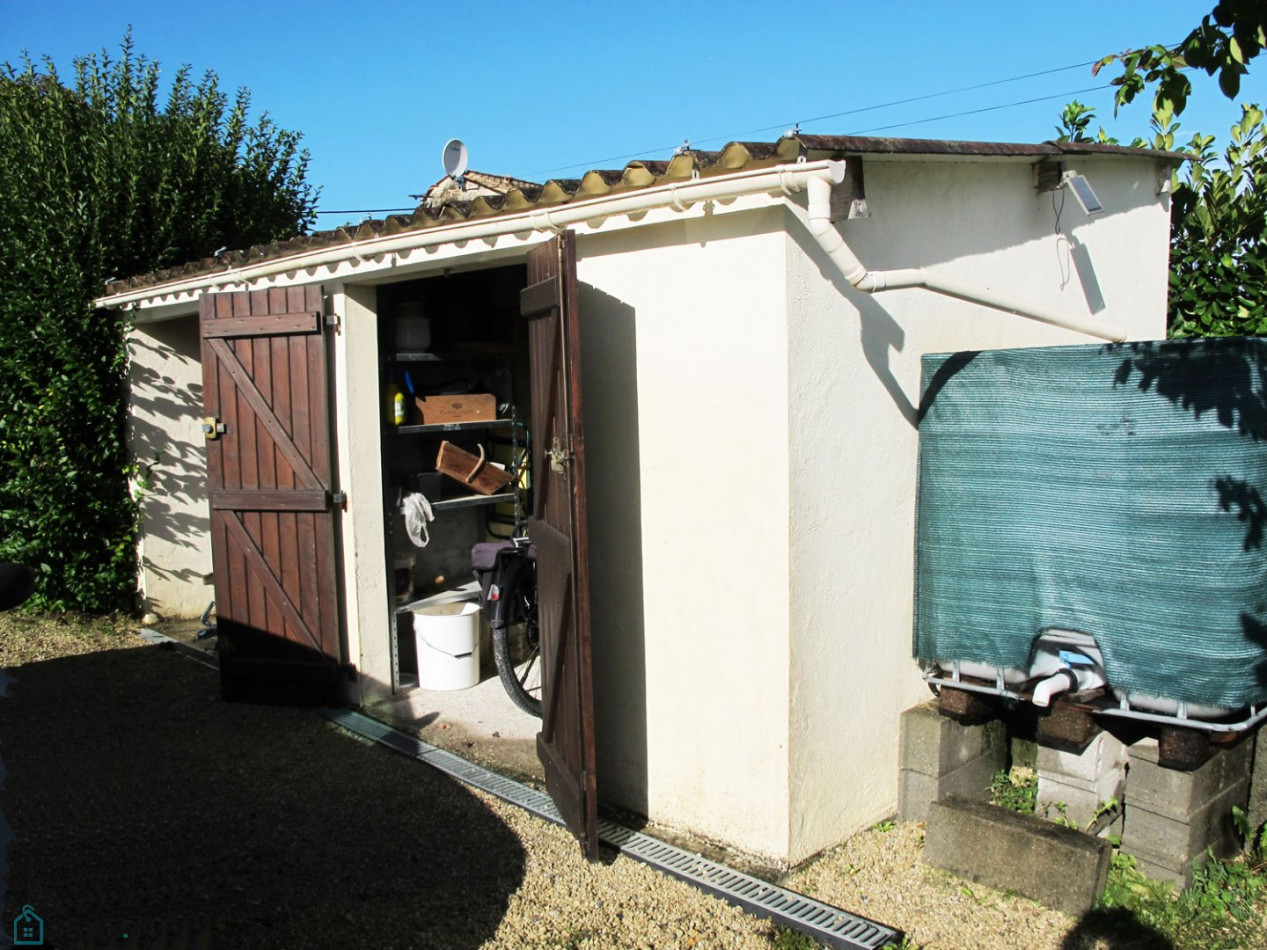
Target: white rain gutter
816	177
789	179
818	220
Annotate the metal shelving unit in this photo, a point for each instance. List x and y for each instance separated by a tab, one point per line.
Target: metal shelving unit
473	501
439	428
400	436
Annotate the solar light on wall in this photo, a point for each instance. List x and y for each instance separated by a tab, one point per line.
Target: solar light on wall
1081	190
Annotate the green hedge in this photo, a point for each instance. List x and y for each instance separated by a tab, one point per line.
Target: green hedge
99	180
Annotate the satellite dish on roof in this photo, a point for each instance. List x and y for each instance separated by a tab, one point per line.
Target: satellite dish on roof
455	159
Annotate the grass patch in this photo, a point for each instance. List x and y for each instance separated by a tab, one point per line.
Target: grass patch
34	637
1221	910
786	939
1016	790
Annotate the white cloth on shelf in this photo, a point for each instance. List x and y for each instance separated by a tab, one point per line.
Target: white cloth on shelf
417	513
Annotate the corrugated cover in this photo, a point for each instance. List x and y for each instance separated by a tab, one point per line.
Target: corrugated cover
1115	490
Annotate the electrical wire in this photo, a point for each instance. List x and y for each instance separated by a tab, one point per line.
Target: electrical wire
595	163
738	136
370	211
1005	105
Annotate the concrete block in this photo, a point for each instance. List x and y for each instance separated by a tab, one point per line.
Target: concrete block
940	757
1061	867
1163	872
1257	809
933	744
916	791
1176	844
1102	763
1084	781
1172	817
1169	791
1057	800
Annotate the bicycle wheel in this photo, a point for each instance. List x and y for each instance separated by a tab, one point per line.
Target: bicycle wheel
517	652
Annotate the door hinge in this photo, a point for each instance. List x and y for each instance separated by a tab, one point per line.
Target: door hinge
332	320
339	500
213	428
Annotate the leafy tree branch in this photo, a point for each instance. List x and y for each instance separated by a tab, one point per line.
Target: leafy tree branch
1229	37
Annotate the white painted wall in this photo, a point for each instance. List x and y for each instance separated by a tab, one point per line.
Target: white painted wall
165	420
359	453
685	388
854	388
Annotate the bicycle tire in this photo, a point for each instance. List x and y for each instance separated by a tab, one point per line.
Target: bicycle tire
521	679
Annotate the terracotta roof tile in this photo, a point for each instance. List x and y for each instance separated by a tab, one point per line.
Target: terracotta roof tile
503	195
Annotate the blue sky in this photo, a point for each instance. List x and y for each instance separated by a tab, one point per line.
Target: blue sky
548	90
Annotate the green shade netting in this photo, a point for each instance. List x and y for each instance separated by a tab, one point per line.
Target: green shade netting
1113	490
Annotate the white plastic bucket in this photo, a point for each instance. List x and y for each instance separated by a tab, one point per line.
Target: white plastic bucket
447	638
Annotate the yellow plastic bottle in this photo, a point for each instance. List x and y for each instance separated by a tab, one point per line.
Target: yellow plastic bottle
395	405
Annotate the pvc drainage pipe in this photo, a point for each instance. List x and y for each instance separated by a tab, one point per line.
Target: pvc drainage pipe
1059	682
818	220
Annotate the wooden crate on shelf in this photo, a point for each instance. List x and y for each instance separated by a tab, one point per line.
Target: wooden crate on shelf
473	471
463	407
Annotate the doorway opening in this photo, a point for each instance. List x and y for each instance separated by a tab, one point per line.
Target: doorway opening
455	393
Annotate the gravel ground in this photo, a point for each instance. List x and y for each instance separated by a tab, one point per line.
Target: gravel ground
145	806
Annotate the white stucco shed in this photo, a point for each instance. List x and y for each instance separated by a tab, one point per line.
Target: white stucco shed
751	431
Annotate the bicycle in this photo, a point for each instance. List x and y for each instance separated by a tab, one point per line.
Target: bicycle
507	572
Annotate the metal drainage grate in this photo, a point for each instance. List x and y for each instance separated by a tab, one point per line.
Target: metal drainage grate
822	922
193	653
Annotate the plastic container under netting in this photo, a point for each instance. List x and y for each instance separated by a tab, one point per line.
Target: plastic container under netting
1090	523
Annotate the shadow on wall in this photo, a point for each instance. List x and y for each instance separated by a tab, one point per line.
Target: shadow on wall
878	331
165	404
609	382
983	208
260	826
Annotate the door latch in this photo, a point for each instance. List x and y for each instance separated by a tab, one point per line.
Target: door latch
558	457
213	428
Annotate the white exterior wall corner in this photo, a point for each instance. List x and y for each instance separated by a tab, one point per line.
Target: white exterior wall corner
165	422
684	330
854	389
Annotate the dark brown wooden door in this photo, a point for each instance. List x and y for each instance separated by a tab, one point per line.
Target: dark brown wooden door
565	744
270	485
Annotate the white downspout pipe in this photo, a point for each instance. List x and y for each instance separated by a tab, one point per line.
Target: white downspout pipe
818	220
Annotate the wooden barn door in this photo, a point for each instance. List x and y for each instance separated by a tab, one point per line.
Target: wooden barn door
269	481
565	744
